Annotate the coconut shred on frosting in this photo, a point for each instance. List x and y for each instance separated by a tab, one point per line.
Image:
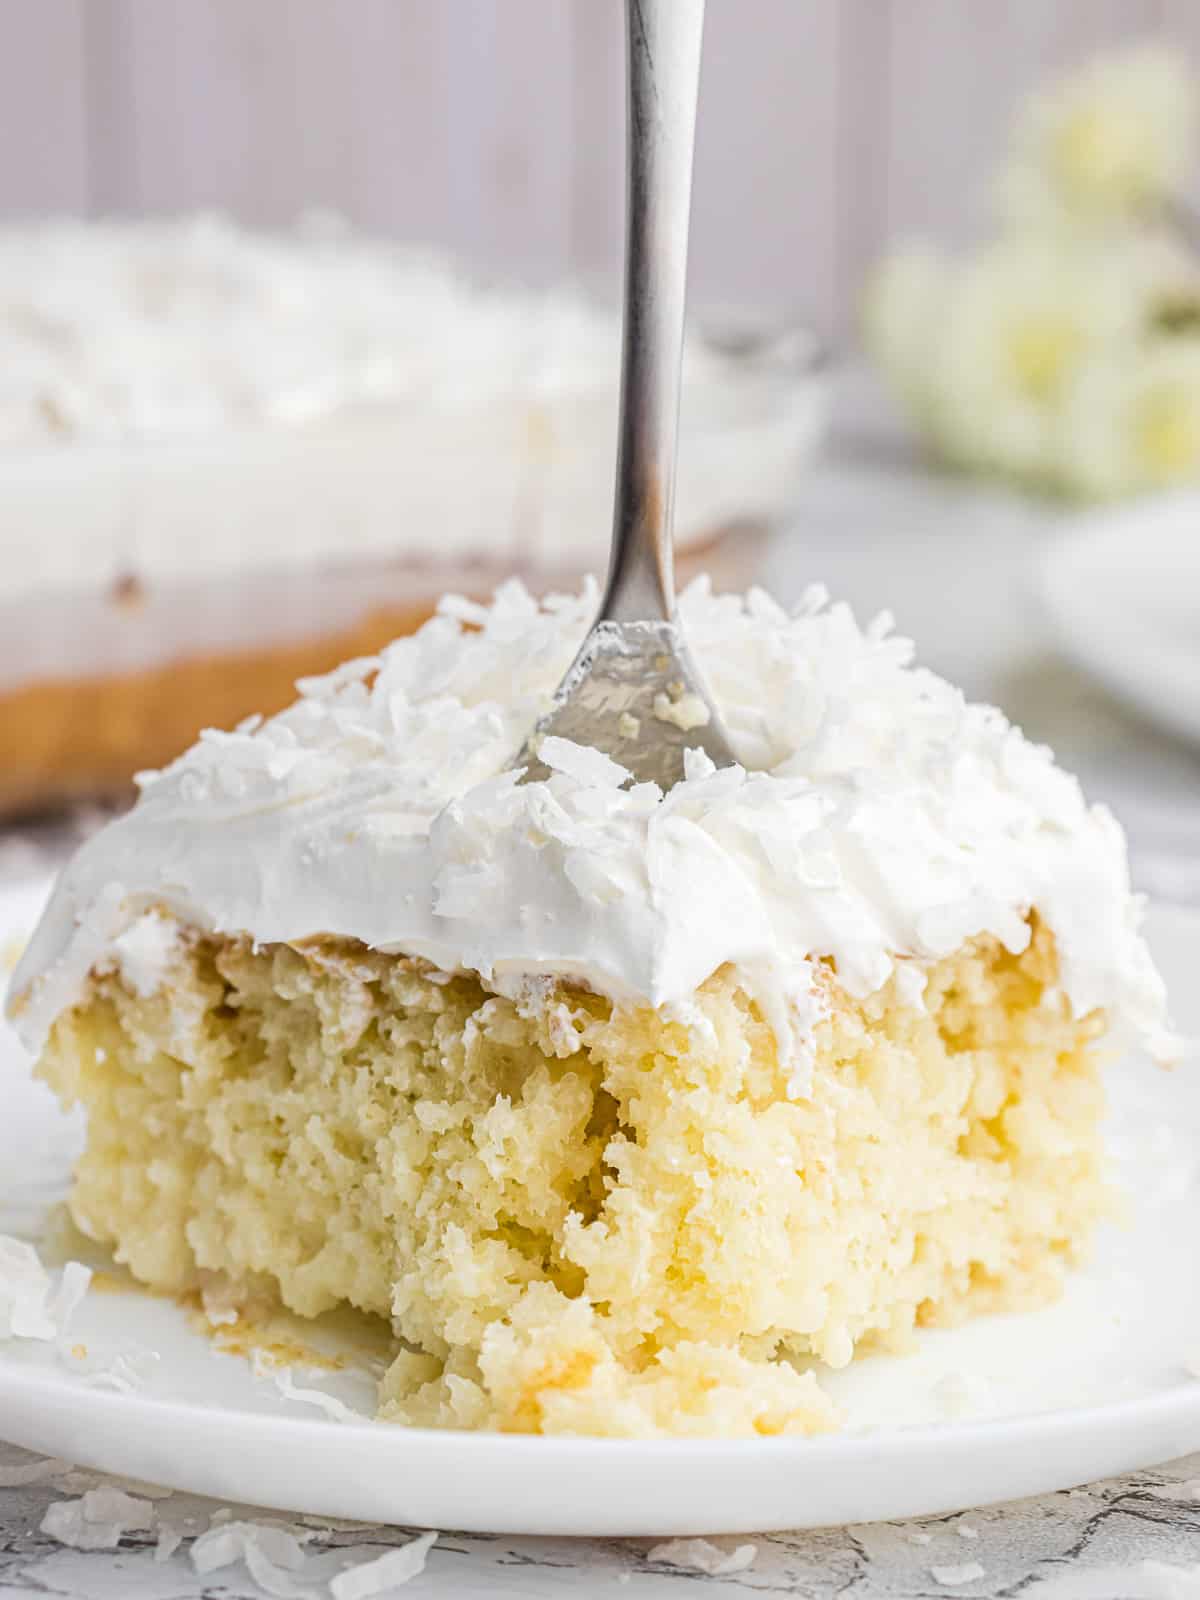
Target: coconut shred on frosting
879	820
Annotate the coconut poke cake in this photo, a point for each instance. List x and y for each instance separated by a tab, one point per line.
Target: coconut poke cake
223	456
628	1109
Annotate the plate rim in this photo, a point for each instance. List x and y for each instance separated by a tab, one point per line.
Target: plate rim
922	1435
512	1484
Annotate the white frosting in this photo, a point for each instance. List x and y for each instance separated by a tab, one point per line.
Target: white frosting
177	328
183	400
143	952
878	816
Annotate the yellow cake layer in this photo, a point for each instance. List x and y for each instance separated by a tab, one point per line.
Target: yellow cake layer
581	1218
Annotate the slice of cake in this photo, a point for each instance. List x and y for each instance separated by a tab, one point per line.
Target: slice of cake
625	1108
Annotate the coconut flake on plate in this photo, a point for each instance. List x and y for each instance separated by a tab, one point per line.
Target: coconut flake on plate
31	1306
68	1297
336	1410
964	1394
124	1371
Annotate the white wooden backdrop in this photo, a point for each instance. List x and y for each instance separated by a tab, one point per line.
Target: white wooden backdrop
494	126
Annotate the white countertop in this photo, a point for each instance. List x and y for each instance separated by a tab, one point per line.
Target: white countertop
952	561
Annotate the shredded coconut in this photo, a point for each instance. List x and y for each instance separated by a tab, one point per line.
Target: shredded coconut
72	1287
384	1572
269	1553
143	952
99	1521
24	1293
30	1305
168	1541
964	1394
337	1410
122	1371
159	329
699	1555
582	763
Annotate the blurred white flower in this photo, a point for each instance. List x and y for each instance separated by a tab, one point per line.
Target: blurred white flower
1065	353
1018	323
984	351
899	313
1133	424
1114	139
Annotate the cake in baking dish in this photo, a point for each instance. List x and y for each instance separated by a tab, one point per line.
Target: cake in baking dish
629	1110
230	459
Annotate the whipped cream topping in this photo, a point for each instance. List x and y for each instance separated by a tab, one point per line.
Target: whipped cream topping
170	329
879	819
181	401
173	328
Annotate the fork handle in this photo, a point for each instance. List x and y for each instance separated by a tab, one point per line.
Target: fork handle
663	76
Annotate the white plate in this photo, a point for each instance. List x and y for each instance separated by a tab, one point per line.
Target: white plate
1123	592
1095	1385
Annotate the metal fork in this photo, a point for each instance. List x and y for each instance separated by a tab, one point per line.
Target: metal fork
633	691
